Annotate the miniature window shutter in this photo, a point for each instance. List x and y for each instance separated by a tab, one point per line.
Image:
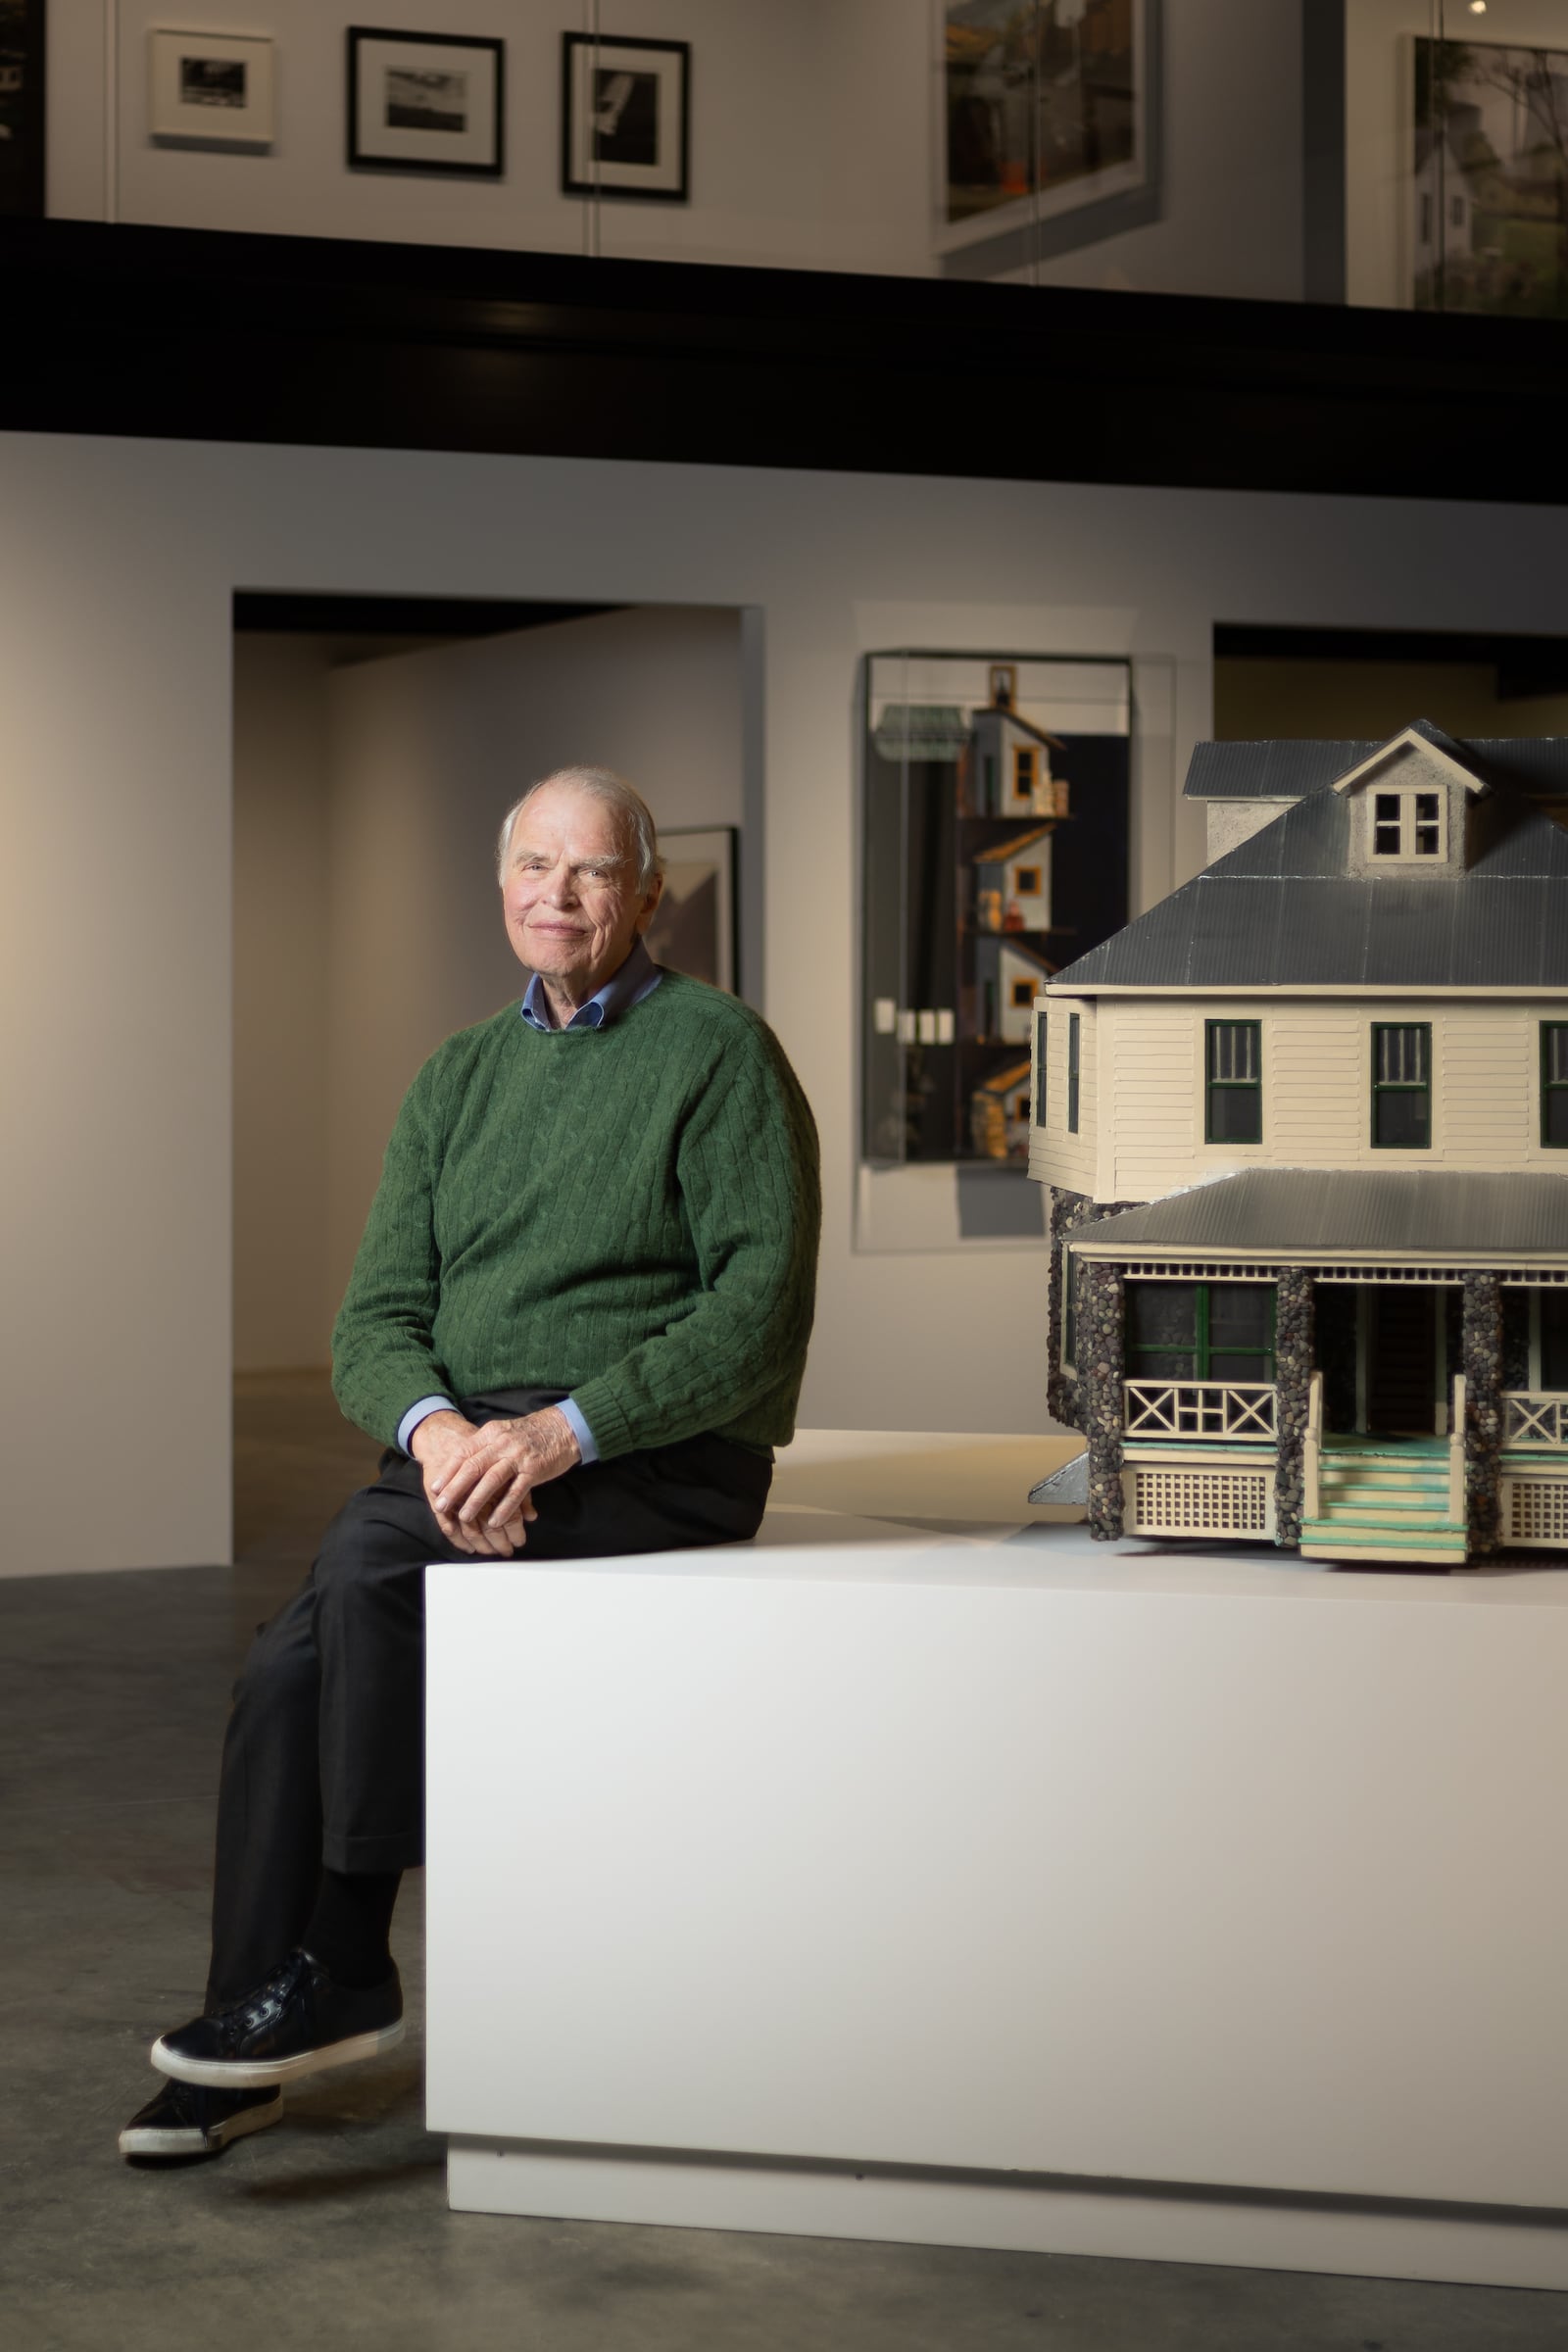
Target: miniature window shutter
1232	1109
1554	1085
1072	1073
1041	1019
1402	1086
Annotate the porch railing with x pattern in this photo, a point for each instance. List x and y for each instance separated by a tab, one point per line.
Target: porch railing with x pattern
1197	1408
1534	1417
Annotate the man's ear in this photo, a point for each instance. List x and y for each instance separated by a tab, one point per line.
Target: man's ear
655	891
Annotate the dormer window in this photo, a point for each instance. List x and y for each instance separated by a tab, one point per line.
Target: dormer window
1408	824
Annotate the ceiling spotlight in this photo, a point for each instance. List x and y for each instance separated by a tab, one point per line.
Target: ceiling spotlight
1478	8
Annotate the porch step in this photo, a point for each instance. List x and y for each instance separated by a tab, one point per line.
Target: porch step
1353	1501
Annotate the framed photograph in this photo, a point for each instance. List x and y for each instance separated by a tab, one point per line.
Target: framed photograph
1488	179
22	111
210	89
626	125
425	101
695	929
1049	127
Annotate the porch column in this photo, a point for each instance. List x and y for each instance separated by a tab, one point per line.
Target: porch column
1098	1342
1295	1319
1483	1409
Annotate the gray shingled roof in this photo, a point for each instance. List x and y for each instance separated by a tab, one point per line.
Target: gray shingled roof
1306	1214
1280	911
1284	771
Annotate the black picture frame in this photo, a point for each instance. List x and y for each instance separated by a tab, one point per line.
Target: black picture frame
667	179
22	54
393	157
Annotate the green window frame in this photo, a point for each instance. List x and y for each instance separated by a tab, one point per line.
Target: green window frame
1554	1085
1211	1337
1072	1073
1402	1086
1039	1105
1233	1082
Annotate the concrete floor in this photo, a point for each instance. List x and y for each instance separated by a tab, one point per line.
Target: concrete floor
333	2228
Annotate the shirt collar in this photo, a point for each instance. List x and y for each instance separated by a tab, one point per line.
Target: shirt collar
635	979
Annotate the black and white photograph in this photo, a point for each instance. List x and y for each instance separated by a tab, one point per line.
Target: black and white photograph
425	101
212	81
626	118
21	114
693	930
210	89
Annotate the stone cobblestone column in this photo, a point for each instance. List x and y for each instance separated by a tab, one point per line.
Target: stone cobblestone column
1099	1353
1483	1410
1295	1319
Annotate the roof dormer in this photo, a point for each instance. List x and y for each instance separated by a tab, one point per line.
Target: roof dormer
1409	805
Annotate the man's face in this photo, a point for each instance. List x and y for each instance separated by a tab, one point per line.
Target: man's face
569	890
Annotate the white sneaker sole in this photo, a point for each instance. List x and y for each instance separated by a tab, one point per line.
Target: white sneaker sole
219	2073
147	2140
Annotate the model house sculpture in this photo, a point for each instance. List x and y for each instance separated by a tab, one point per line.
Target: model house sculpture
1006	761
1304	1131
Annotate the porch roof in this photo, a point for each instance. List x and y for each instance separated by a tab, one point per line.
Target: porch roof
1305	1216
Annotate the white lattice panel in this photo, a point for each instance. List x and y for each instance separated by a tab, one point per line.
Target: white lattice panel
1171	1500
1535	1511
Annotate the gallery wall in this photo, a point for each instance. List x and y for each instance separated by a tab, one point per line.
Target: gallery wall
116	573
814	140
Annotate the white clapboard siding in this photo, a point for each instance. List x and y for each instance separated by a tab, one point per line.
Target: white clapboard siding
1141	1131
1485	1058
1317	1107
1055	1155
1156	1110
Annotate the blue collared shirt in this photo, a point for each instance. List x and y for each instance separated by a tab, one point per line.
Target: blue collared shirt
637	977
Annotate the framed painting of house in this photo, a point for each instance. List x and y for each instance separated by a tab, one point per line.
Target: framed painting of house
695	928
995	841
1487	229
1049	127
21	109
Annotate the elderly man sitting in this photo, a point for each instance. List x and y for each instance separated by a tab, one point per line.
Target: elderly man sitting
577	1321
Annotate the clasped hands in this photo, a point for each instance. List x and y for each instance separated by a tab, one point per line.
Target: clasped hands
479	1478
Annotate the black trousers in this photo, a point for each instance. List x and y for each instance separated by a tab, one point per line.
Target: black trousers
323	1761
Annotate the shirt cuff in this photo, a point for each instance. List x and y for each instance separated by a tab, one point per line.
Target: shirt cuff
421	1412
578	1428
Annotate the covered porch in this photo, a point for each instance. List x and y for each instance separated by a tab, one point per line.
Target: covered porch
1373	1368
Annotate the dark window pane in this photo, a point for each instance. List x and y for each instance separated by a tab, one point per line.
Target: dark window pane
1239	1314
1400	1121
1426	841
1240	1367
1554	1117
1386	807
1426	809
1385	841
1235	1114
1161	1314
1161	1364
1555	1339
1554	1036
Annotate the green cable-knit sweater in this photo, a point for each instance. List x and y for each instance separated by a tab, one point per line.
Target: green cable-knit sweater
628	1213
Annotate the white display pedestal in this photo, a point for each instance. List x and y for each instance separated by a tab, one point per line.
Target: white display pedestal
1007	1891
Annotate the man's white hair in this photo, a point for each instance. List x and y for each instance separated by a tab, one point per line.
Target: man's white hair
602	784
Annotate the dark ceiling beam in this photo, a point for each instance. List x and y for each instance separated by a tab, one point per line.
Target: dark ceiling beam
196	334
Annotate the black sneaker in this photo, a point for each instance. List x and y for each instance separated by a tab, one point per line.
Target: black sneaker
295	2023
180	2120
